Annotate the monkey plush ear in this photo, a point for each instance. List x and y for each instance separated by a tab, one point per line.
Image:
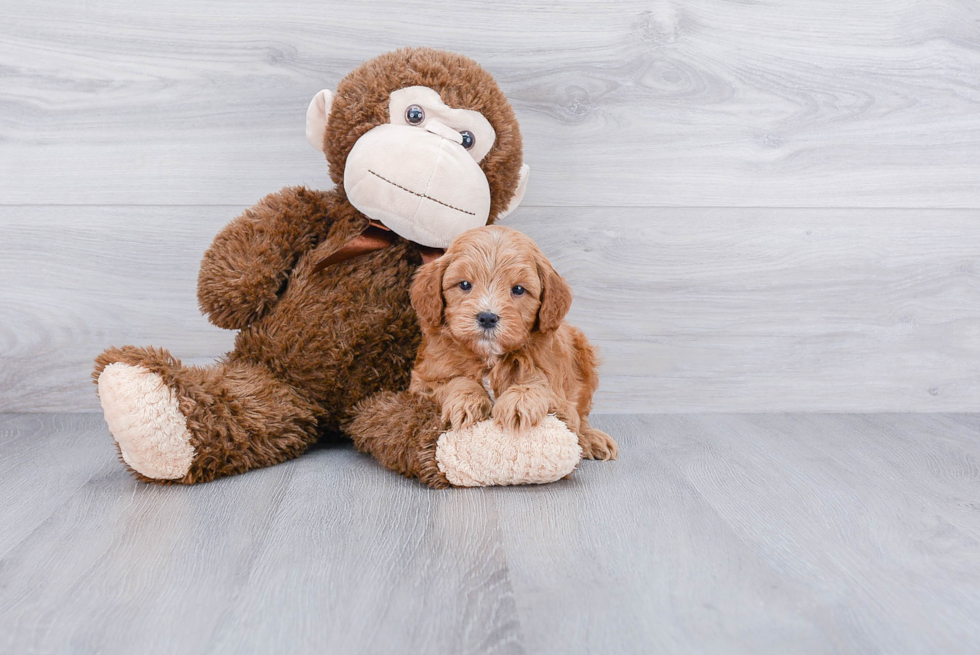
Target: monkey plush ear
519	193
427	300
317	115
556	298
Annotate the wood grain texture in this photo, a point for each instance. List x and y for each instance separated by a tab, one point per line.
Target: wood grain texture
774	309
658	102
70	451
713	533
694	309
80	279
749	534
328	554
130	133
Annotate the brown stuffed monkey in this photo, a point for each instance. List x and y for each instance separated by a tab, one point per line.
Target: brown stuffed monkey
422	145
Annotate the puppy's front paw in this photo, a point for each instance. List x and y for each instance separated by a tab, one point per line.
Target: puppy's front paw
596	444
520	408
465	409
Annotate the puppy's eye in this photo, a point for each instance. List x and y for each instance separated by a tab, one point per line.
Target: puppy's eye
465	286
414	115
518	290
468	139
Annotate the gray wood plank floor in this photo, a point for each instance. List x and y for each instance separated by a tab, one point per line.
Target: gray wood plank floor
714	533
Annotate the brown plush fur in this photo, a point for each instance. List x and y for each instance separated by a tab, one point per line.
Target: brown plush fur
401	430
312	345
533	362
219	402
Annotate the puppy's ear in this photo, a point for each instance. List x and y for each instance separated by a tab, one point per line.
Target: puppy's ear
556	297
426	292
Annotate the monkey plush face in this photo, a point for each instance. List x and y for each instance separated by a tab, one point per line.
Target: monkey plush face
424	142
420	173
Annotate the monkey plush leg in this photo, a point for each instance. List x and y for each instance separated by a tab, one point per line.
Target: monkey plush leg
181	424
404	433
401	431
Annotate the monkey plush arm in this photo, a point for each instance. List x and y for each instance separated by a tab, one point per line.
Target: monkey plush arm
250	260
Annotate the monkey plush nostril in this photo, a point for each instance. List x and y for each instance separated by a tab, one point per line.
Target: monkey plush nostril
487	320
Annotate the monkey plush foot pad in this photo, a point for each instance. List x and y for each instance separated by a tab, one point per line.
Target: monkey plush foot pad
484	455
145	420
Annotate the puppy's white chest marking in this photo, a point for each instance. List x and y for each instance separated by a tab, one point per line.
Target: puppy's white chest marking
489	388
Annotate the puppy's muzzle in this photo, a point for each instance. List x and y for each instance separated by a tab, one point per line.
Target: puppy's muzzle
487	320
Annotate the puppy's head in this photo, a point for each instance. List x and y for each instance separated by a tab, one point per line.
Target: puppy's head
490	291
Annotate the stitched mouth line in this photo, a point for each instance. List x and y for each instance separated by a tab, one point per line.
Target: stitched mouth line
420	195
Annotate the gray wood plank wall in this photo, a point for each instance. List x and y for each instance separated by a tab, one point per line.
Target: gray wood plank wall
761	207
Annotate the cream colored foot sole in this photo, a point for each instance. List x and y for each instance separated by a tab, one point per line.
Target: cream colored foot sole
483	455
144	418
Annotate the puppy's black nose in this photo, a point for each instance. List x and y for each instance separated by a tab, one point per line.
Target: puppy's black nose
487	320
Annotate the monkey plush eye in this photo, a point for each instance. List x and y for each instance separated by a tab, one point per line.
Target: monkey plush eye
465	286
468	139
518	290
415	115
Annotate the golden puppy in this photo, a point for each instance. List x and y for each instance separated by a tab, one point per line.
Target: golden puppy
494	342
